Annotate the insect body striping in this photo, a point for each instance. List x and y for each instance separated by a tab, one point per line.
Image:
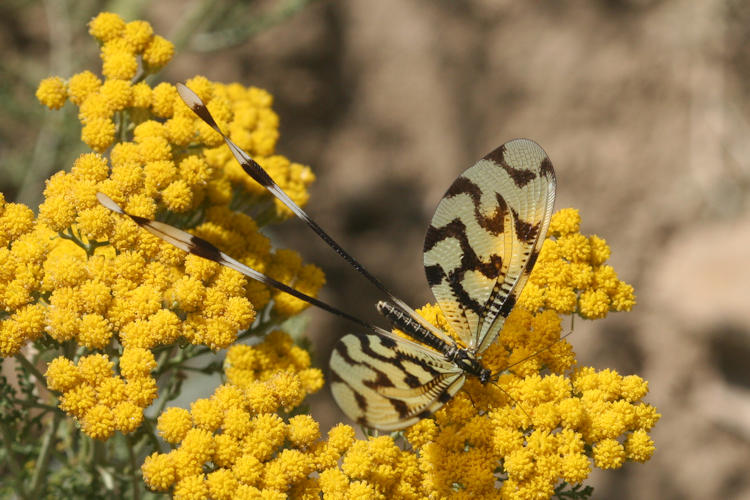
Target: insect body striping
463	358
399	319
480	248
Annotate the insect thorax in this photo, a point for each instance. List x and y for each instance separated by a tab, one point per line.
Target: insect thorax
467	361
462	358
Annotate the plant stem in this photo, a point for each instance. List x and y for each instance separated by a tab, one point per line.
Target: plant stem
151	433
29	366
12	464
34	404
44	455
164	352
133	470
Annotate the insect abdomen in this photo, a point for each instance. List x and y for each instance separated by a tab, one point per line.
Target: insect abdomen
404	322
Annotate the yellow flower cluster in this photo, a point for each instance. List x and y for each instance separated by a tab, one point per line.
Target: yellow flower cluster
516	439
287	267
377	469
91	278
134	297
24	246
100	400
234	445
520	437
157	166
571	276
95	281
123	45
275	368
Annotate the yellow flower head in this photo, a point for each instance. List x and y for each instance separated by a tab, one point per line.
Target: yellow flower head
106	26
136	362
78	400
158	471
206	414
98	133
128	417
118	63
111	391
99	422
82	85
95	368
15	220
138	34
52	93
62	374
174	423
158	53
303	431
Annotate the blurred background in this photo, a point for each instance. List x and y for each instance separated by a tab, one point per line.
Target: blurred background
642	105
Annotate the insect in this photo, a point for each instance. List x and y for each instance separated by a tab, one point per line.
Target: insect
479	251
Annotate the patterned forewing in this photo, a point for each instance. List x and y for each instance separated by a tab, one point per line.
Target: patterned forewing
535	201
484	238
386	384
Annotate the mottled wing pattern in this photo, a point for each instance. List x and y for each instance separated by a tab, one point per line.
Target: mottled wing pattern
479	250
485	236
388	383
198	246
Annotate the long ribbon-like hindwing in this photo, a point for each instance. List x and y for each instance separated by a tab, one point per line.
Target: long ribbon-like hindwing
479	251
254	170
202	248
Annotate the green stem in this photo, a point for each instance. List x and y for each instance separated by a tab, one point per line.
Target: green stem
173	388
177	361
68	235
151	433
135	480
44	455
122	124
15	469
89	247
30	367
163	359
34	404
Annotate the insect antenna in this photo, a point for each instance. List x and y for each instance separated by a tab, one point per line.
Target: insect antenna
198	246
518	404
254	170
495	377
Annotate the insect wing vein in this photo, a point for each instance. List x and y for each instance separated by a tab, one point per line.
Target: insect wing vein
384	383
484	238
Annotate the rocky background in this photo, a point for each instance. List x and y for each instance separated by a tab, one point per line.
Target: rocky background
642	105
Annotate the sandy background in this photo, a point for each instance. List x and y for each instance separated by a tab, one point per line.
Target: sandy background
641	105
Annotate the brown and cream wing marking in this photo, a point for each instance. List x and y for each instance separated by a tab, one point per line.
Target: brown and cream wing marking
479	250
389	383
485	236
